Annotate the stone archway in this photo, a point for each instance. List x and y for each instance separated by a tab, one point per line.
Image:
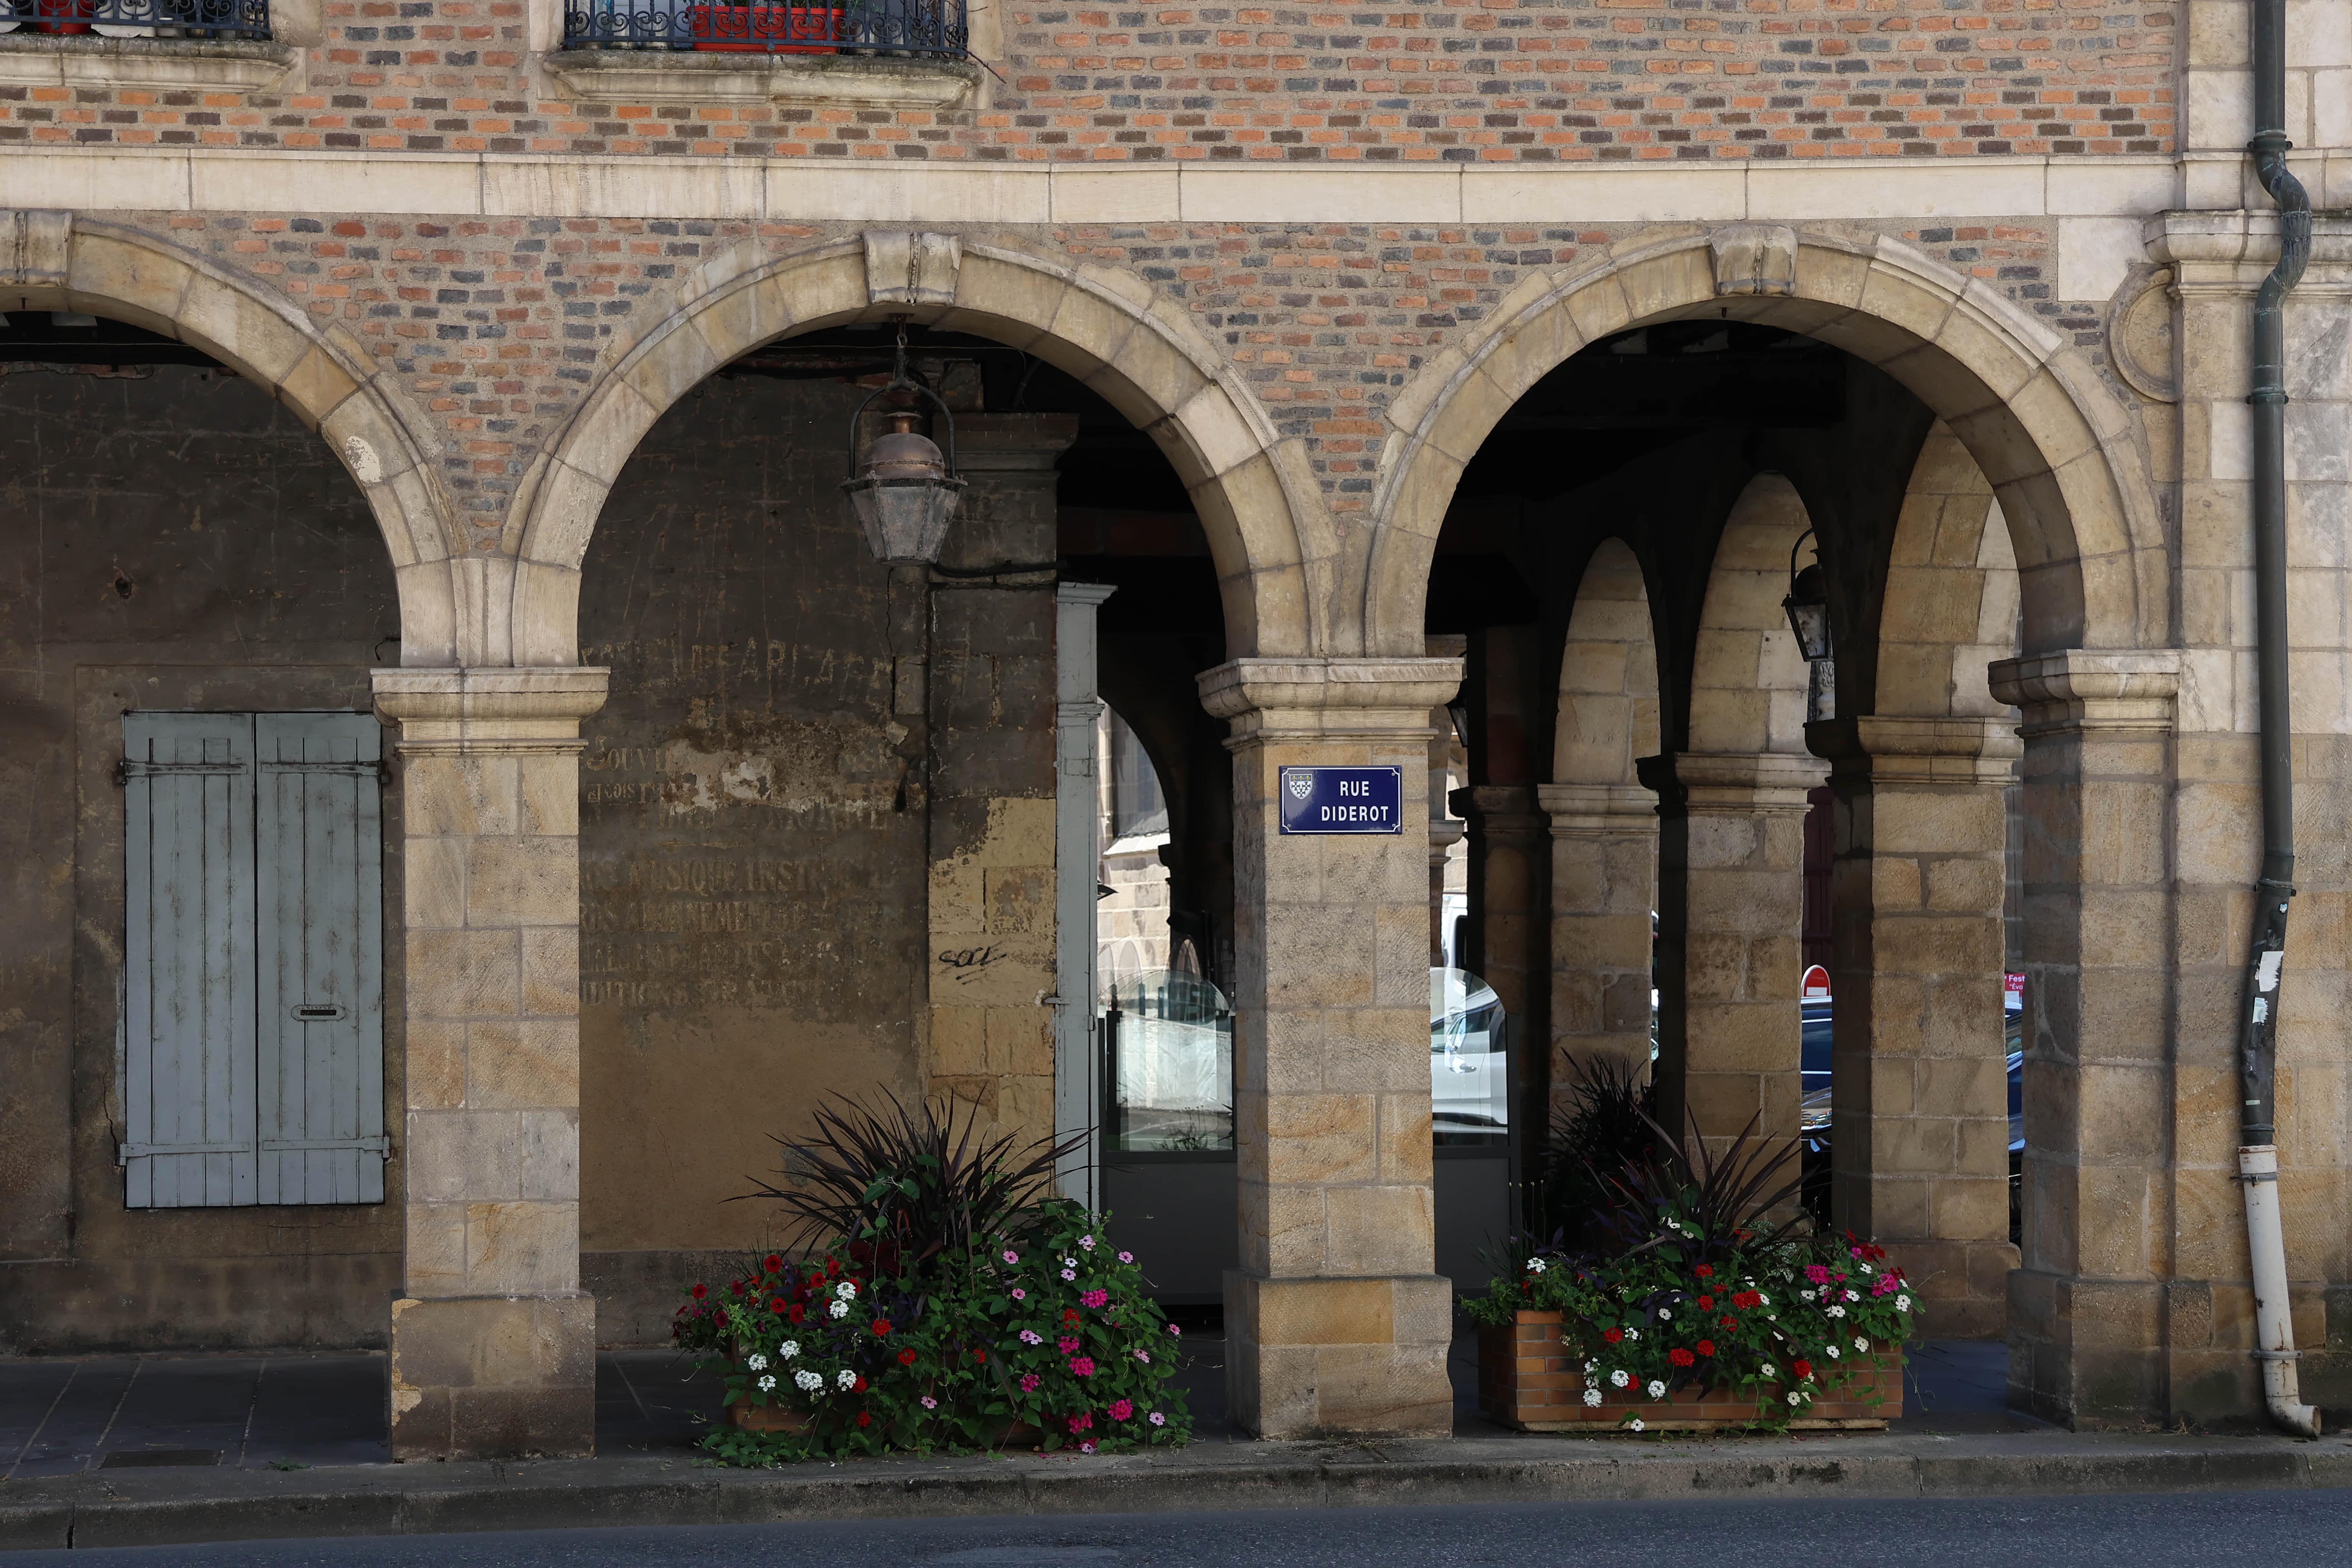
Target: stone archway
2031	409
60	260
1256	502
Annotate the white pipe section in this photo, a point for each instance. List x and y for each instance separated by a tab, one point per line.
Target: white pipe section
2273	1319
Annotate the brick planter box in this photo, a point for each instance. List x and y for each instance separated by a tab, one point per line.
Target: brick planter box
1528	1379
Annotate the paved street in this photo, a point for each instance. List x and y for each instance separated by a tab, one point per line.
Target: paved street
2303	1528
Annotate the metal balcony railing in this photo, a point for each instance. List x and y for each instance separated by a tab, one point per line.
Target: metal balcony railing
933	27
137	18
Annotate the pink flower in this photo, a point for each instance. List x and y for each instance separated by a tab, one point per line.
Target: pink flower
1081	1422
1127	1258
1032	1337
1089	1243
1019	1294
1082	1365
1065	1346
1174	1330
1817	1274
1087	1447
1093	1297
1069	1274
1121	1409
929	1403
1144	1356
1158	1419
1028	1382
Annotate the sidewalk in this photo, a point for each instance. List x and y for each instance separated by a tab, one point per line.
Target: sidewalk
149	1450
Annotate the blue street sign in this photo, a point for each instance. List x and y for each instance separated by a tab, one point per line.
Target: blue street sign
1342	799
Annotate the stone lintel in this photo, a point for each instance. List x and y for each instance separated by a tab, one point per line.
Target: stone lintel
1742	781
1581	809
488	710
1896	749
837	81
1309	700
1500	810
2084	689
242	65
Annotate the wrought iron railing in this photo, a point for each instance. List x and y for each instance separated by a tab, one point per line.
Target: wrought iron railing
856	27
137	18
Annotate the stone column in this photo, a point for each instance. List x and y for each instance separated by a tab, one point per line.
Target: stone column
493	1342
2086	1307
1731	909
1920	1129
1334	1323
1604	885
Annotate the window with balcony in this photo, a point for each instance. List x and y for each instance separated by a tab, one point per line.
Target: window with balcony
863	29
247	19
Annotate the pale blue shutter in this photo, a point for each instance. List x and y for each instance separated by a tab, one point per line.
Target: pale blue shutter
320	944
188	1003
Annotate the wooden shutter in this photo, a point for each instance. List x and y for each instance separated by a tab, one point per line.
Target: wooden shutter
188	1002
320	949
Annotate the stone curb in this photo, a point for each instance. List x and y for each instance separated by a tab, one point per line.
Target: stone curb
153	1508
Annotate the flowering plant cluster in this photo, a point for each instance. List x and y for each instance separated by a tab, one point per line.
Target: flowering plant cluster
1050	1328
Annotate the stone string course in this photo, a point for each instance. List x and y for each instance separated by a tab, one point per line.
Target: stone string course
500	326
1497	80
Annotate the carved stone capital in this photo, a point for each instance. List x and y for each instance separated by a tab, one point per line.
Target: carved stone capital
2081	690
1892	749
1580	810
1328	698
489	710
1708	782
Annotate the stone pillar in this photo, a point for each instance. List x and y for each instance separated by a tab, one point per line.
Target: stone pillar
1604	885
1731	909
2086	1309
493	1342
1334	1323
1920	1105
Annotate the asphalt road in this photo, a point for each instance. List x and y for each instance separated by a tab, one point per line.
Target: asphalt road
2247	1530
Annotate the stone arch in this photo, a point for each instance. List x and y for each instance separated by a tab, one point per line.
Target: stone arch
1747	676
63	261
2051	439
1950	605
1256	498
1608	675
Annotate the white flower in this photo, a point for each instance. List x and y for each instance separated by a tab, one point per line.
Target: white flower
767	1383
808	1381
1069	1263
1795	1398
844	1379
1832	1352
1860	1344
1635	1424
846	1290
1657	1389
788	1350
1535	1265
839	1309
1808	1295
1664	1316
1765	1371
1865	1269
1837	1311
1620	1377
1762	1299
1902	1303
756	1361
1636	1334
1592	1396
1851	1296
1590	1367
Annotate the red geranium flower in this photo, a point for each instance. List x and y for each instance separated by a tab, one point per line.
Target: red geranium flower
1612	1335
1704	1271
980	1355
1070	1315
1706	1347
1747	1299
907	1357
864	1419
858	1387
700	1291
831	1266
881	1328
1801	1368
1706	1303
1730	1323
1680	1356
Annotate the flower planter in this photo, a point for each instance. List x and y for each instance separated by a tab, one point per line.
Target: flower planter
1529	1380
769	29
766	1417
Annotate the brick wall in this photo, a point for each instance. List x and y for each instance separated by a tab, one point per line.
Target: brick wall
1457	81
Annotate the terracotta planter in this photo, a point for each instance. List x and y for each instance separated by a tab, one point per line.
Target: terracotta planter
1528	1379
768	30
766	1417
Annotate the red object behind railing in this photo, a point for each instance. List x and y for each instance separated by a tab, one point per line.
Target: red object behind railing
766	29
52	12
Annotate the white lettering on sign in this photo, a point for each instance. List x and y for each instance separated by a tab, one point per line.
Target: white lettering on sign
1355	813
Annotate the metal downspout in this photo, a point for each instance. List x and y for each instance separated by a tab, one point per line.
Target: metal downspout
2258	1036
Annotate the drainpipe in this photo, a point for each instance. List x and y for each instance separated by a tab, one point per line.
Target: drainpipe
2258	1037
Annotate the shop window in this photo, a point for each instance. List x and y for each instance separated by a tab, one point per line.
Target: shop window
252	1030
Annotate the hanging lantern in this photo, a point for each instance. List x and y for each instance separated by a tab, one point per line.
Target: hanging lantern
903	490
1808	609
